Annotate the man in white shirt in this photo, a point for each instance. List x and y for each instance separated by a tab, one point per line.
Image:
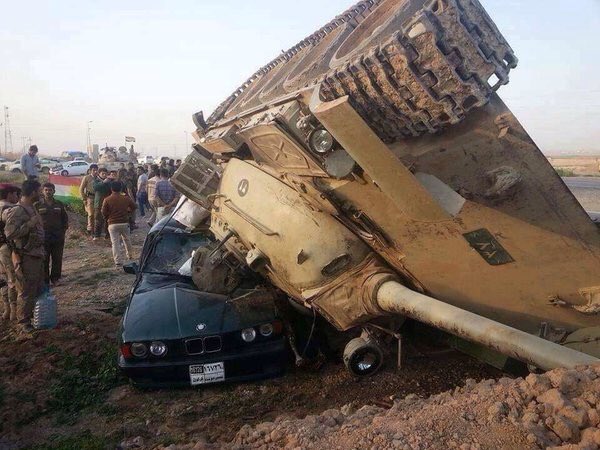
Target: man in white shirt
142	190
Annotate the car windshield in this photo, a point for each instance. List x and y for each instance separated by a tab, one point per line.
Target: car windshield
171	251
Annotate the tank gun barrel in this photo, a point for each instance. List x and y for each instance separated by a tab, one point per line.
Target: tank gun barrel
395	298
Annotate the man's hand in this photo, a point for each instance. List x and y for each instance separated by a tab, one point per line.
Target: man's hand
34	221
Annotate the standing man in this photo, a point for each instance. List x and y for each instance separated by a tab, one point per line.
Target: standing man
166	195
25	233
9	196
153	178
142	190
177	164
101	191
87	193
117	209
56	221
30	163
171	167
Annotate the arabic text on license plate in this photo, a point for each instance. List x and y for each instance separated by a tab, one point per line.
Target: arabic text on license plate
207	373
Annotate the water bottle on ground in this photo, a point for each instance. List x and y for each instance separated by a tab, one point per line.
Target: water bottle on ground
44	314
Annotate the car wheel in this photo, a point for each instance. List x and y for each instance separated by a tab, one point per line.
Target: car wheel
64	173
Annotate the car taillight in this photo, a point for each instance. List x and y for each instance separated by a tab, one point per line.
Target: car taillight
126	351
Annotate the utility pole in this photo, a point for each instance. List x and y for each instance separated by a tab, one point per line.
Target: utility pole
8	146
89	139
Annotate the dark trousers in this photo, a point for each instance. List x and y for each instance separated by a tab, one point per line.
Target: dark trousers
53	260
101	224
143	204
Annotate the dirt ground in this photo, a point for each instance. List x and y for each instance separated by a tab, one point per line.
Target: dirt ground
60	389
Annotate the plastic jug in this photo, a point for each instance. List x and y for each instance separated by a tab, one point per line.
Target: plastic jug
45	314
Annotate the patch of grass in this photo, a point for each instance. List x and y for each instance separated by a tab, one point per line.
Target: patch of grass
95	278
81	382
564	172
107	409
83	441
24	397
77	207
51	349
17	178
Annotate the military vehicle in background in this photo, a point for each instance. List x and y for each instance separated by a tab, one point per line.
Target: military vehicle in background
373	171
112	157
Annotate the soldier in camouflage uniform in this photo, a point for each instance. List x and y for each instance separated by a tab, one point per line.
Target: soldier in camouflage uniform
87	193
25	232
9	196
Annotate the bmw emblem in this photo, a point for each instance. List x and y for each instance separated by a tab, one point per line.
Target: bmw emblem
243	187
200	326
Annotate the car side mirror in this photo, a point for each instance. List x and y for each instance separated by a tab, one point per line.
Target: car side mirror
131	268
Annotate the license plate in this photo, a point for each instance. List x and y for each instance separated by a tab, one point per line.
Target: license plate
207	373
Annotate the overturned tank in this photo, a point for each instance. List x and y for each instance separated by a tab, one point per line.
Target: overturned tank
372	170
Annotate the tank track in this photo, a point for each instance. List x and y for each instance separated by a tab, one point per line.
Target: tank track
425	71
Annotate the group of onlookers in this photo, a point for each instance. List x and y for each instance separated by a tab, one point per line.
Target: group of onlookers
113	198
33	225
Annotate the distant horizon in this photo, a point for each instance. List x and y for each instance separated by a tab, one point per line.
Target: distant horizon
142	70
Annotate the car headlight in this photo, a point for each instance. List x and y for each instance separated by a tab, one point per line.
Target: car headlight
139	349
158	348
266	329
248	334
321	141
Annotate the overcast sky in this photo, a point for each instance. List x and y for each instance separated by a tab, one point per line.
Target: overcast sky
142	68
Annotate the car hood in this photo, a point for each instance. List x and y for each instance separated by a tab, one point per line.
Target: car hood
176	311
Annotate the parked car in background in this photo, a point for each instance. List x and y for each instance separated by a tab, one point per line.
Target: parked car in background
146	160
14	166
71	168
72	154
46	165
173	334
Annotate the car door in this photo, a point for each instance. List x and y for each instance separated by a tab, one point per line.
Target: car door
78	168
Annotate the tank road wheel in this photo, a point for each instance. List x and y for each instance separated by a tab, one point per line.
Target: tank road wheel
64	173
363	358
416	66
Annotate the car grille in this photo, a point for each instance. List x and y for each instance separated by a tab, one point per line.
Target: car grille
212	344
209	344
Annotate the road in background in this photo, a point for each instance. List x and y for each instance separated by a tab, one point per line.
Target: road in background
587	191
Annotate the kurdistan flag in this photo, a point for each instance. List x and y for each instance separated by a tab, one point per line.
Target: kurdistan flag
67	189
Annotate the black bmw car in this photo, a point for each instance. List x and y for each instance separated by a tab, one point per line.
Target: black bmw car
173	334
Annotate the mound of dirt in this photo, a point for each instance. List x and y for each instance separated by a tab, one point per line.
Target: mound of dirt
559	409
